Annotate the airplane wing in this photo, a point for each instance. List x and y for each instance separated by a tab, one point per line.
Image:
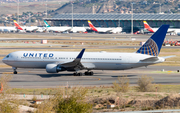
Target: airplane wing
170	31
105	30
75	64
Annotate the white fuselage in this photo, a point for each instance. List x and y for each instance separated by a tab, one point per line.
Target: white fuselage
78	29
30	28
109	30
7	29
90	60
170	30
58	29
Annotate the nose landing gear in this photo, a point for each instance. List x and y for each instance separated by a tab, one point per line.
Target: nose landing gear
14	68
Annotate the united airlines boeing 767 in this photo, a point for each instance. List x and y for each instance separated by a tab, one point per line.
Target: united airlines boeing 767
55	62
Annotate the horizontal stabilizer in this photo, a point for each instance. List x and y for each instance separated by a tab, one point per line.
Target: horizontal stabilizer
150	59
169	56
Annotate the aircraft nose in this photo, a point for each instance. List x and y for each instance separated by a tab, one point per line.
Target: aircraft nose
4	60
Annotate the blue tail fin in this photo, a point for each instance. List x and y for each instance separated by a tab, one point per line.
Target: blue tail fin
154	43
47	25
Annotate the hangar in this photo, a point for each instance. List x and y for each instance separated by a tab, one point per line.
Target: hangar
116	20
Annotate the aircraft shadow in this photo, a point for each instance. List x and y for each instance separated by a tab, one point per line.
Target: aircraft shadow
53	75
125	76
58	75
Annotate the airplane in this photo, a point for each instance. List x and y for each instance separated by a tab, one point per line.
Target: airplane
152	30
104	30
7	29
55	62
78	29
56	29
65	28
25	28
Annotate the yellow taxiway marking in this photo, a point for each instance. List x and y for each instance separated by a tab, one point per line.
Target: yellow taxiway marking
10	72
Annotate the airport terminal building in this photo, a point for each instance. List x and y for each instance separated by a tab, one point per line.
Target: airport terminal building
116	20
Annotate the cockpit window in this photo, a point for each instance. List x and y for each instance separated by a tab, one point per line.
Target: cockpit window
7	56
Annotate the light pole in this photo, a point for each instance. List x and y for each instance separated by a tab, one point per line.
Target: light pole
29	20
18	11
93	9
72	15
160	8
132	19
46	9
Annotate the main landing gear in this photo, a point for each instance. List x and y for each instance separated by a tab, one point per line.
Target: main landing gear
77	74
89	73
14	68
81	74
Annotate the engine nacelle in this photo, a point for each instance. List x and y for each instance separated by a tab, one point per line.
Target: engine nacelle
54	68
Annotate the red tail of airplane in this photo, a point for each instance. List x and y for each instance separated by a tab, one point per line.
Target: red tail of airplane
17	25
91	26
146	25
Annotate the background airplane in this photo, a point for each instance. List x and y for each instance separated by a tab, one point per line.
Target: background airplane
65	28
104	30
25	28
56	29
170	30
55	62
7	29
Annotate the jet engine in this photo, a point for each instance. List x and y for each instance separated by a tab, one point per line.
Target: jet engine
54	68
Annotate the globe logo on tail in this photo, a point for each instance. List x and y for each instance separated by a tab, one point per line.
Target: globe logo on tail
149	48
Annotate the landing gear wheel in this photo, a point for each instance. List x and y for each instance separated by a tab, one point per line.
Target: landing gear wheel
75	74
86	73
79	74
89	73
14	68
15	72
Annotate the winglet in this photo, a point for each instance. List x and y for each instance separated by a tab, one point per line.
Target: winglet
76	63
80	54
154	43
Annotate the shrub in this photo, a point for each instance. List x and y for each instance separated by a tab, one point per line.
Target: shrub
116	87
73	102
34	98
145	84
7	105
122	85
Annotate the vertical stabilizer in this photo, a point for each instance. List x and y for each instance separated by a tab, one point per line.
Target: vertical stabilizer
147	27
17	25
47	25
92	26
154	43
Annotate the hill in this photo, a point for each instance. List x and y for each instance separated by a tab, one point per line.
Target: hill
120	6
